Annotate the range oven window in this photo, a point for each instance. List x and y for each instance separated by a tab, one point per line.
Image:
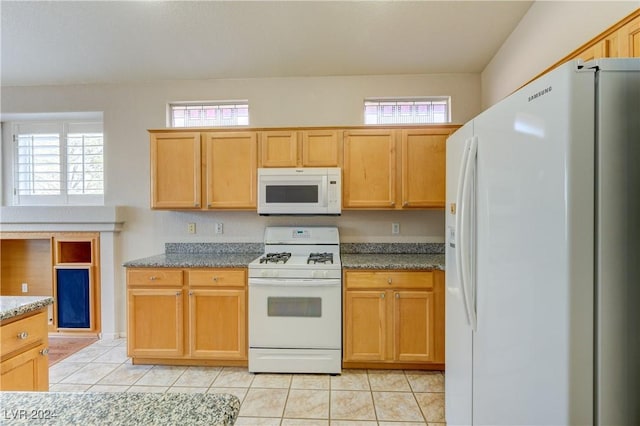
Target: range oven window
291	193
310	307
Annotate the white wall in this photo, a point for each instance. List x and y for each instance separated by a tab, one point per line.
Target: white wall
548	32
131	109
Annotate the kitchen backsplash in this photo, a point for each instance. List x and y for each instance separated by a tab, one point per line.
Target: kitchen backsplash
397	248
198	248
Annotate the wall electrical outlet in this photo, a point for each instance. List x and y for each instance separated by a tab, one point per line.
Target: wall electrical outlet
219	228
191	228
395	228
25	288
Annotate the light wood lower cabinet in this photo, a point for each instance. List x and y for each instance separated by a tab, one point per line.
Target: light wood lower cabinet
24	364
190	316
393	319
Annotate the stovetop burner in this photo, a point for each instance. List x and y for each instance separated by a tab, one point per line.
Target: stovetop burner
275	257
320	258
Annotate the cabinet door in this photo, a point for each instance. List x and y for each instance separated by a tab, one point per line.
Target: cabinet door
231	161
369	179
423	168
629	37
279	149
155	323
321	148
28	371
217	320
365	326
175	170
413	321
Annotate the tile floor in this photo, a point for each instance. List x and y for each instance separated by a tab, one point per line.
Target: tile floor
355	398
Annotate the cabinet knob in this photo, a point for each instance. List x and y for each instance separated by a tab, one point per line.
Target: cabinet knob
178	293
381	295
190	293
44	352
23	335
389	281
197	205
397	295
153	278
215	279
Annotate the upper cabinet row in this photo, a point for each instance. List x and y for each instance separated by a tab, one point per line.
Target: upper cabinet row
382	168
620	41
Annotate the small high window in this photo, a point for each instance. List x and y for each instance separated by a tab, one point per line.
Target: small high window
429	110
209	114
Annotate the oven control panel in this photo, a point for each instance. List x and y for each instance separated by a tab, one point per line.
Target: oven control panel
298	234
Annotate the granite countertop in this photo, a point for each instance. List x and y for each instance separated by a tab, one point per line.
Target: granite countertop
12	306
392	261
194	260
118	408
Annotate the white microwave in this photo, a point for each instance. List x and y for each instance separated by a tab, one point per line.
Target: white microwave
300	191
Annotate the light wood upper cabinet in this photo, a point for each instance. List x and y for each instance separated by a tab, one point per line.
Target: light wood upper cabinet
321	148
305	148
175	170
279	149
629	36
369	174
231	161
423	168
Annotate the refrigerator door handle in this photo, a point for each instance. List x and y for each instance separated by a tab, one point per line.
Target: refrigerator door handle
467	221
460	234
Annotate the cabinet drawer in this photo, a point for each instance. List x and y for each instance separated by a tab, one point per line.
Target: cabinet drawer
155	277
24	332
217	277
388	279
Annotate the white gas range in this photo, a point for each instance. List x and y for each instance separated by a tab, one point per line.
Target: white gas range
295	302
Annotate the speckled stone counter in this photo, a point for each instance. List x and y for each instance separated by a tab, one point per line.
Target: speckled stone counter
195	260
118	408
392	261
12	306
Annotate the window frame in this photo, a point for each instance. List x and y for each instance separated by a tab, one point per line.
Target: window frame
237	104
64	128
386	105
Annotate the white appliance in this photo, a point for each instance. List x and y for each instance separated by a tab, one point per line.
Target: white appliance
301	191
543	254
295	302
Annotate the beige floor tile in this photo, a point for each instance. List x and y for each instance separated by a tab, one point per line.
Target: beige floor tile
90	374
125	374
403	424
116	354
108	388
264	402
307	404
68	387
233	377
350	380
388	380
88	354
432	406
426	381
354	423
240	393
64	369
396	406
436	424
148	389
257	421
161	375
198	376
310	381
351	405
186	389
304	422
109	342
282	381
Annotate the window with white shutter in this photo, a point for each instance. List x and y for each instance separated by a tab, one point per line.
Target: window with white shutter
209	114
58	162
425	110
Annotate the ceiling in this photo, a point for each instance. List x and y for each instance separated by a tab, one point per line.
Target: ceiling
56	42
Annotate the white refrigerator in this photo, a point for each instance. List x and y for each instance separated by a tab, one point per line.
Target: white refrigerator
543	253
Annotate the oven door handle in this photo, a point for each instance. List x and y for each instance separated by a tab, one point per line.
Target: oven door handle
294	282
